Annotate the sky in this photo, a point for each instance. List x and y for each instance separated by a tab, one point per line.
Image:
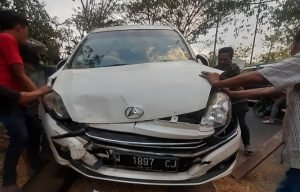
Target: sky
63	9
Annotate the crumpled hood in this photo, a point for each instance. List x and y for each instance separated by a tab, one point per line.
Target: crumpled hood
101	95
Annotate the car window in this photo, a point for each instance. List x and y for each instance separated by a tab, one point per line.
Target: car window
130	47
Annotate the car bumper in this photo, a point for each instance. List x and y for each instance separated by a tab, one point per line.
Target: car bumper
221	161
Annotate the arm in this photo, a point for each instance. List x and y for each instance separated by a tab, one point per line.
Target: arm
27	97
252	93
240	80
19	73
10	52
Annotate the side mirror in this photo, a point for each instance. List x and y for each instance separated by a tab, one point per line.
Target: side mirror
203	59
60	64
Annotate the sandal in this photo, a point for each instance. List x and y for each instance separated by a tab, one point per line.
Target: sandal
269	121
248	150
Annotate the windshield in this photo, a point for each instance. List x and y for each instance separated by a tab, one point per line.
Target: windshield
114	48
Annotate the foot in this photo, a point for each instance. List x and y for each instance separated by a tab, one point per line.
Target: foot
11	188
269	121
248	150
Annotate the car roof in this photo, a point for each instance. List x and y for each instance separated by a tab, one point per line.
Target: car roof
258	65
133	27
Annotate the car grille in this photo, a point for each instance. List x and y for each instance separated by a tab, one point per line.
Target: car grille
188	151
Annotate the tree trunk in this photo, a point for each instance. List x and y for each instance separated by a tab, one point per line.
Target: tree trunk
216	40
255	31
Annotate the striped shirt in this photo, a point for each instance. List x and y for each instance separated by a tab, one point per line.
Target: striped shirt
286	77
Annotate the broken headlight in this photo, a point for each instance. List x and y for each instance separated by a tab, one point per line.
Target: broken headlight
55	106
218	112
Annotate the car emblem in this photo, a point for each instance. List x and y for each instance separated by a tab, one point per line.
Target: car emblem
134	112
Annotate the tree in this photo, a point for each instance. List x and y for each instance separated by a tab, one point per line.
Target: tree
223	9
190	17
4	4
274	56
41	24
68	37
286	18
91	15
261	10
273	41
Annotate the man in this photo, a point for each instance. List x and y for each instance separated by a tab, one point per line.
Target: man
239	106
10	99
22	129
285	77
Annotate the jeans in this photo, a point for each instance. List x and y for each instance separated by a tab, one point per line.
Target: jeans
245	133
24	130
291	181
240	110
279	103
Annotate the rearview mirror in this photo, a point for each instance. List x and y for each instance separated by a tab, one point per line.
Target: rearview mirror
203	59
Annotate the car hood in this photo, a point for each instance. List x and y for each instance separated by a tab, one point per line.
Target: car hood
102	95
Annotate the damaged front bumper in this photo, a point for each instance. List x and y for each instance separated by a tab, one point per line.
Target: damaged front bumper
91	153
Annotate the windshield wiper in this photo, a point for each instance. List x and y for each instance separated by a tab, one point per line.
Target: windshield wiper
117	64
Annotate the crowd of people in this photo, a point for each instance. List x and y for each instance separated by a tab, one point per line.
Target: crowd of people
17	90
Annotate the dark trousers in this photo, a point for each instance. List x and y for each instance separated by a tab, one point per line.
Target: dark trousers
291	181
277	106
240	110
24	130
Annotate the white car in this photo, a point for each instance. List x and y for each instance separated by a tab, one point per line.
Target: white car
129	106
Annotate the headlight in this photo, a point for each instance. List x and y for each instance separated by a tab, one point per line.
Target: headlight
54	104
218	112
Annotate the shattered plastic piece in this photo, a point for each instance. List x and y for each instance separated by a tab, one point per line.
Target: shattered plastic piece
77	151
174	119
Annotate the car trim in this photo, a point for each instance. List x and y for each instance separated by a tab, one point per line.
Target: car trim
144	144
166	154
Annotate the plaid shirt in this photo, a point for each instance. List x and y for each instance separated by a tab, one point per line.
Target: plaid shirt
286	77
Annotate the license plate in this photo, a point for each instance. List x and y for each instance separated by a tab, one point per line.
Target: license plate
145	163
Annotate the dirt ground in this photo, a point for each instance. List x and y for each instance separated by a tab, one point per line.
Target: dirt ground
263	179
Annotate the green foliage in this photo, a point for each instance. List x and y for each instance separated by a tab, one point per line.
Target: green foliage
242	52
4	4
280	54
68	37
286	18
190	17
41	24
91	15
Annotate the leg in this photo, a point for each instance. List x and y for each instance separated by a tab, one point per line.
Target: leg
276	107
34	128
17	131
244	128
291	181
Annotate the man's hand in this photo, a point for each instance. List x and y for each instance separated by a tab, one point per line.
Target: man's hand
27	97
212	78
43	90
227	91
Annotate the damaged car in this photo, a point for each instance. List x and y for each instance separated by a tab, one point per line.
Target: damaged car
129	106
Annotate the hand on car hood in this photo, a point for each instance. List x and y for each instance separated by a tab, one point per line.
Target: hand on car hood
102	95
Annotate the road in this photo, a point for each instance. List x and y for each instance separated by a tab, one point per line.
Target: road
263	179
